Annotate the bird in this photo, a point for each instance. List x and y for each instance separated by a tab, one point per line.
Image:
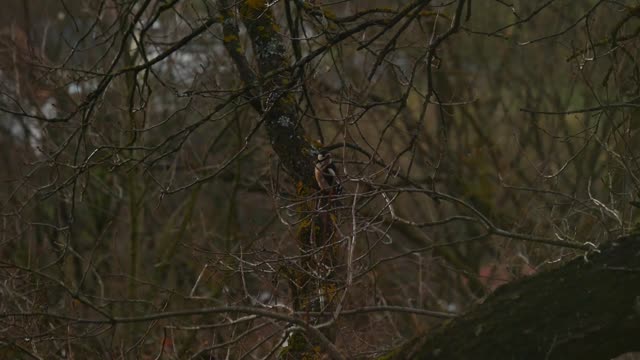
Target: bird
326	174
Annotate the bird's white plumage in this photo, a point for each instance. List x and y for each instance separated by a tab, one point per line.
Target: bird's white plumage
326	174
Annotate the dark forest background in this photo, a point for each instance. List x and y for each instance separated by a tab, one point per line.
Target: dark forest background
154	166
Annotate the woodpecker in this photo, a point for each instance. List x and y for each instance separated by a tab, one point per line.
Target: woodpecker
326	174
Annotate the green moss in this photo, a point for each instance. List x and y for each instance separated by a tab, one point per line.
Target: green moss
390	355
329	14
256	4
229	38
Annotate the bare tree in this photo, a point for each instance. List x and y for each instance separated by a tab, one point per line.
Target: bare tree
164	197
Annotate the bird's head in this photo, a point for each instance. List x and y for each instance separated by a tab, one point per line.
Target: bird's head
324	157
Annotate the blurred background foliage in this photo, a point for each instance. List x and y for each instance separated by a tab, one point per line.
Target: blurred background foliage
130	203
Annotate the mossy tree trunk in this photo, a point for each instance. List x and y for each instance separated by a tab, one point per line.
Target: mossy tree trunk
269	92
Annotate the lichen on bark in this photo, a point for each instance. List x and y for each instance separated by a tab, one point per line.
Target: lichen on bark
313	288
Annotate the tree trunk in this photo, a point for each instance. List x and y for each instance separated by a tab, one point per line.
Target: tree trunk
586	309
312	281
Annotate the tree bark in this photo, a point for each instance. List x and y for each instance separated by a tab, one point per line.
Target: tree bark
586	309
312	281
